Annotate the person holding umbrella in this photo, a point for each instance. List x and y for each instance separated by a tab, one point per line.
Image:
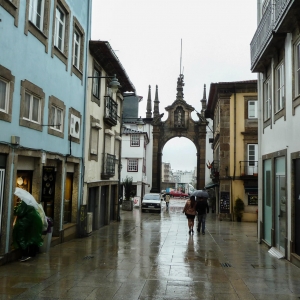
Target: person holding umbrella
202	208
190	212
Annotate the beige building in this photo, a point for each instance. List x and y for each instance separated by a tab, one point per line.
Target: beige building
233	108
103	134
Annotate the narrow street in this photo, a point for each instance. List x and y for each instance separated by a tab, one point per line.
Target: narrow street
151	256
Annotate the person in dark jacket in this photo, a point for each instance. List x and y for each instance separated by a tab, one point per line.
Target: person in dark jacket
201	208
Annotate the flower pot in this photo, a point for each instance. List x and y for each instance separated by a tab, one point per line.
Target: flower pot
127	205
239	219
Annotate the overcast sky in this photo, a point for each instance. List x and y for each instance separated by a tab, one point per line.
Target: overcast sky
146	36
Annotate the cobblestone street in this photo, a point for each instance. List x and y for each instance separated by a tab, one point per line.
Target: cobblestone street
152	256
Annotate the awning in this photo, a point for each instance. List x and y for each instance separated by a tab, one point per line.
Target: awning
211	185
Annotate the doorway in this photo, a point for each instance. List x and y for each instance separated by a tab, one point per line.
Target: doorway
280	204
297	206
68	198
103	205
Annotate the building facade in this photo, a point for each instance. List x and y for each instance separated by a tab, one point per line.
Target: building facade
234	169
275	56
43	74
102	155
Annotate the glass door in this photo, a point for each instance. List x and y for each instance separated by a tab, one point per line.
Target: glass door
267	201
280	204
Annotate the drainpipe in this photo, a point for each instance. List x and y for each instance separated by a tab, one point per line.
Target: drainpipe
81	185
10	201
234	135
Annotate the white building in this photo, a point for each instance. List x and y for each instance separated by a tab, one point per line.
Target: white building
275	56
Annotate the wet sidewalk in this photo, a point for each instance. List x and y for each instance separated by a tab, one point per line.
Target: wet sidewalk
152	256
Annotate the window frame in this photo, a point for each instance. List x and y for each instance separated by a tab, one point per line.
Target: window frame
12	7
267	99
78	29
6	96
96	82
135	140
53	101
279	88
32	97
28	87
132	165
33	13
297	70
255	109
42	32
63	53
7	76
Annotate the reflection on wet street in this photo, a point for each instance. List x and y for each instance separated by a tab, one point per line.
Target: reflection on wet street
152	256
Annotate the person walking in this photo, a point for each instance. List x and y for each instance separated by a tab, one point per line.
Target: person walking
202	208
190	212
167	199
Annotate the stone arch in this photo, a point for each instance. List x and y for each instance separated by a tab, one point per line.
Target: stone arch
178	124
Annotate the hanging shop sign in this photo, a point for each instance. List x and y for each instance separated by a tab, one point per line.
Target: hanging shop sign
48	186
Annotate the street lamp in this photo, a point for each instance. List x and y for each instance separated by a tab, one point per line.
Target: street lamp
114	83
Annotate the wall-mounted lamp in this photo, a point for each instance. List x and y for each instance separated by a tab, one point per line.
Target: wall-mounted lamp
114	83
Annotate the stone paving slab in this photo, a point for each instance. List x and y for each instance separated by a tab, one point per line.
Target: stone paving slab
151	256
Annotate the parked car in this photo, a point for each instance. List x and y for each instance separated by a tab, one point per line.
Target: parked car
178	194
151	201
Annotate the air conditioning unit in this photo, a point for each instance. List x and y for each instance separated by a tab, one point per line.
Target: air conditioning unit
89	223
75	126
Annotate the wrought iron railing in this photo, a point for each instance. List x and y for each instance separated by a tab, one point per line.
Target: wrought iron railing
111	109
109	164
263	32
248	168
272	16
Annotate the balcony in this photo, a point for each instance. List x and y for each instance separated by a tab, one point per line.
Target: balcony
277	20
111	108
109	162
248	169
215	170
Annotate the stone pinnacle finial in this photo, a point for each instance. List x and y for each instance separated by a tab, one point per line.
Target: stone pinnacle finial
203	101
180	85
149	104
156	104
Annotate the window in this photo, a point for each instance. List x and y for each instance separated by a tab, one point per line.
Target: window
252	109
76	49
61	32
31	105
298	69
4	95
36	13
32	109
94	141
267	100
96	83
279	75
134	140
252	159
132	165
56	118
60	26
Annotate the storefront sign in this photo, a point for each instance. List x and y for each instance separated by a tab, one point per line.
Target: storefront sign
48	185
252	200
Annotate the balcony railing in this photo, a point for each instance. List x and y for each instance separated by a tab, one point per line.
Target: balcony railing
262	34
111	108
109	162
248	168
272	17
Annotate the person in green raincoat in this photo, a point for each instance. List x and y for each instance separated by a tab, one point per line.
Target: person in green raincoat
27	231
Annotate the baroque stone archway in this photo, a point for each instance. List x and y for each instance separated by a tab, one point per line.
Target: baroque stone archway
178	124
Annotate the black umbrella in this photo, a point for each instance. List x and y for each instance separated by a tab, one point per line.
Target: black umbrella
200	194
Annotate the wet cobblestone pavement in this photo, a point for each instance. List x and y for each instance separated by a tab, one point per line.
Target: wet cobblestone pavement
152	256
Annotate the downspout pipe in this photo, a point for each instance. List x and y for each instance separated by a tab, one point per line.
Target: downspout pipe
88	36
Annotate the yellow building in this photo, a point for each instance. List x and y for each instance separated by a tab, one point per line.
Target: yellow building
233	108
